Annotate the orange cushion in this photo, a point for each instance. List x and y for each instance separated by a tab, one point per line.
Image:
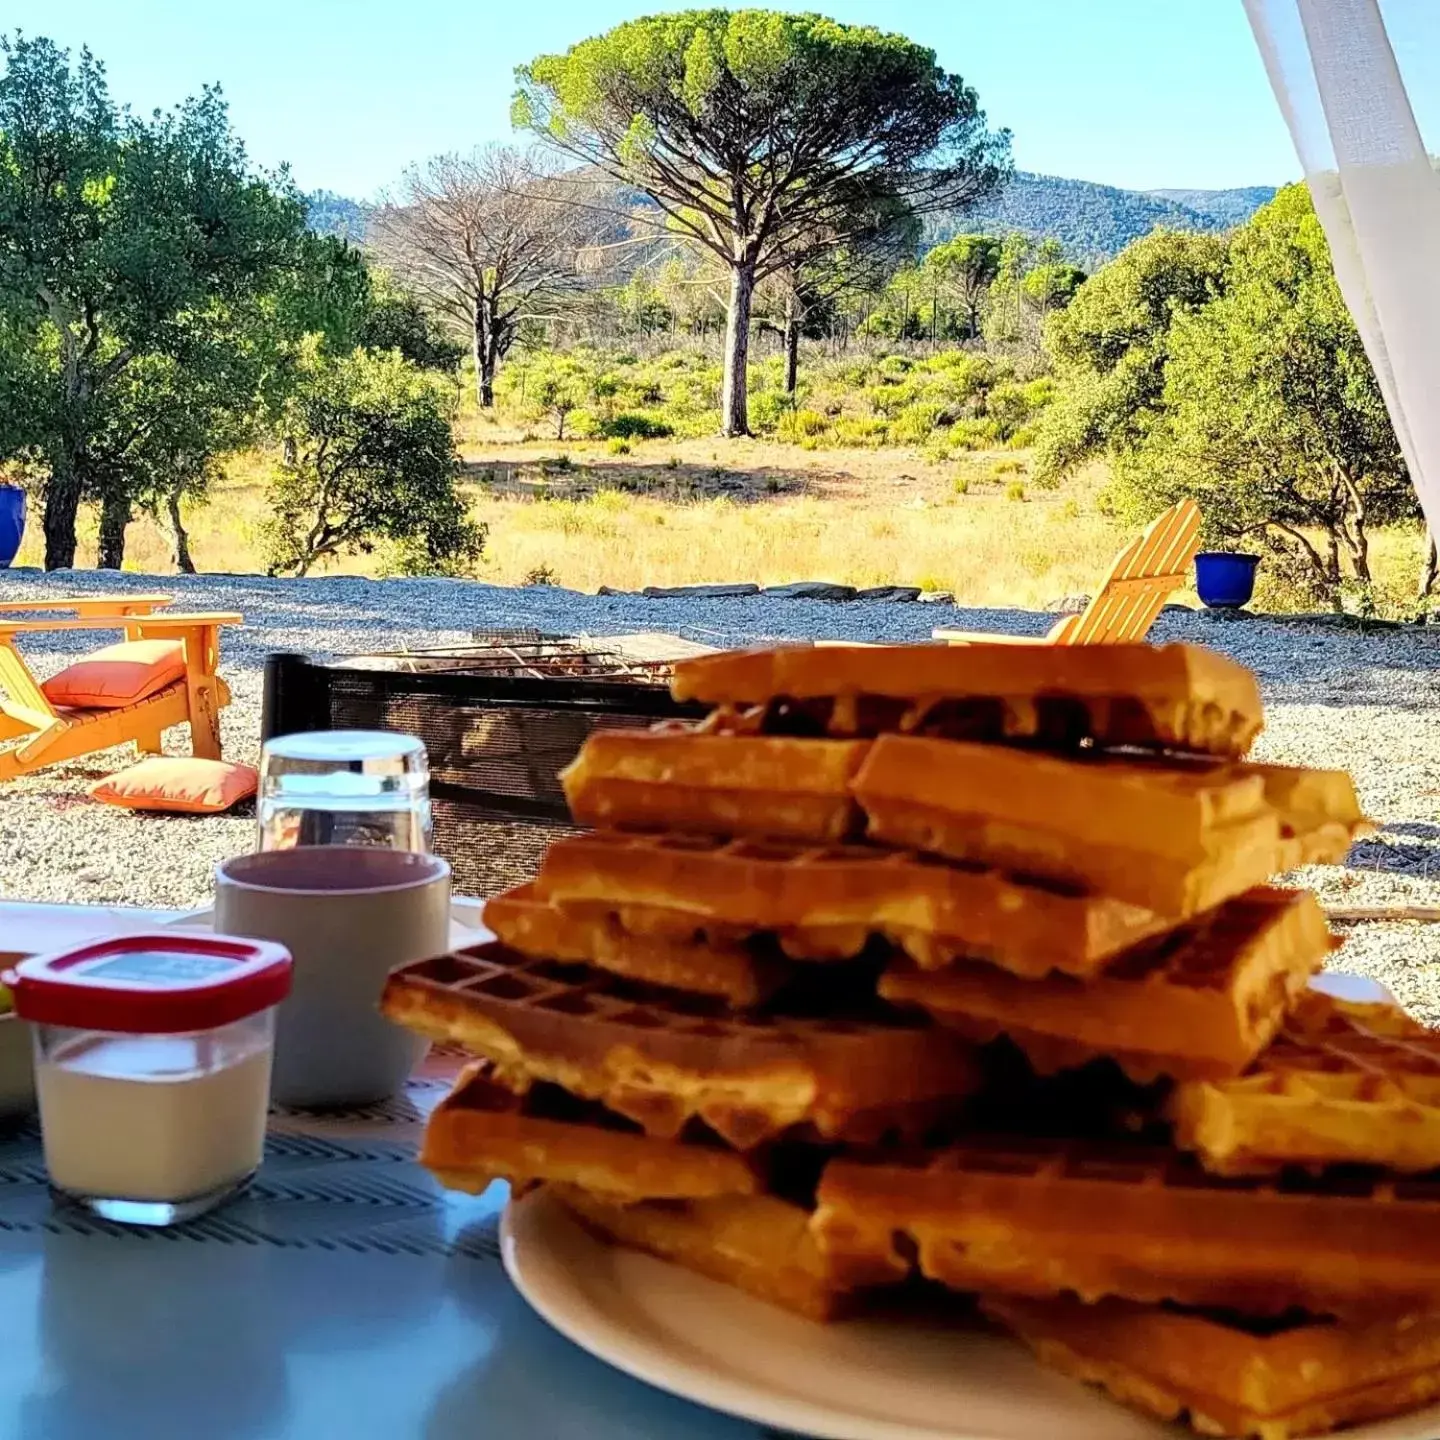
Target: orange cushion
117	675
183	784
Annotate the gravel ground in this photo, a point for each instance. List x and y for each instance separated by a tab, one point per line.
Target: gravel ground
1334	698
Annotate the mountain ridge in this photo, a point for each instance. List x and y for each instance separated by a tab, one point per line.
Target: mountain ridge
1093	222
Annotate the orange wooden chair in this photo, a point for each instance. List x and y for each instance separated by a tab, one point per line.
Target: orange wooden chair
1144	576
48	733
86	605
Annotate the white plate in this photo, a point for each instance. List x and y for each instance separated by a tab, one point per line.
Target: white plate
859	1380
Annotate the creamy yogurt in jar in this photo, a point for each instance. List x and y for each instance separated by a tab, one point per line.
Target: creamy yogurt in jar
152	1068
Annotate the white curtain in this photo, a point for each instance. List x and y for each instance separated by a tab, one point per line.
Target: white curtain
1377	195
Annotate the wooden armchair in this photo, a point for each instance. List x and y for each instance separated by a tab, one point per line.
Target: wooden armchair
48	733
1145	574
88	605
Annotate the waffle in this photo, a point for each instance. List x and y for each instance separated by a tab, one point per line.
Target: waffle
1271	1382
758	1243
1038	1217
1176	697
662	1058
1320	814
1344	1083
1176	839
935	912
483	1131
1200	1002
597	935
733	785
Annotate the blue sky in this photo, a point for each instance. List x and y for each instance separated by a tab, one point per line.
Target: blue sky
1138	93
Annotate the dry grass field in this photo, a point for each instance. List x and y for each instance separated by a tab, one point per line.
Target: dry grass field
673	512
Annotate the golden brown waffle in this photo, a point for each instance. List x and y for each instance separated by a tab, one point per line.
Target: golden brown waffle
662	1058
597	935
1037	1217
1270	1382
1174	838
1201	1001
1320	814
936	912
1178	697
1343	1084
484	1131
715	785
758	1243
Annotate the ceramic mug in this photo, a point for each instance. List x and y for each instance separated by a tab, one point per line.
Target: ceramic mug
348	915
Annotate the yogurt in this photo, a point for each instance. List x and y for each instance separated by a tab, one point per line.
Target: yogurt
153	1117
152	1068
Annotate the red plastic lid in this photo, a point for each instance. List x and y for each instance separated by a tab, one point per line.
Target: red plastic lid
159	984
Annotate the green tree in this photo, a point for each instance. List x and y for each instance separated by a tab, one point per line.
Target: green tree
159	430
798	297
374	461
754	131
1270	415
1110	345
965	268
1033	280
114	230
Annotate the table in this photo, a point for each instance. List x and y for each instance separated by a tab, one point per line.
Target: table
344	1295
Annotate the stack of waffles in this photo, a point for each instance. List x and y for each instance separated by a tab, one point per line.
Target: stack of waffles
922	967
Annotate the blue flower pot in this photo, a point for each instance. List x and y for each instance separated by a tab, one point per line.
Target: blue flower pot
1225	580
12	522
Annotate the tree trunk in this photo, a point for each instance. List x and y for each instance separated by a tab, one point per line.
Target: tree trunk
792	344
1360	549
1356	538
290	452
62	507
180	541
114	517
480	353
1431	572
734	403
490	358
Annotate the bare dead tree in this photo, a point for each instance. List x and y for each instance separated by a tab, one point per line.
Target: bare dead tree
491	239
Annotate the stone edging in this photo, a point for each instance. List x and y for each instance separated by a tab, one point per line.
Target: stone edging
795	590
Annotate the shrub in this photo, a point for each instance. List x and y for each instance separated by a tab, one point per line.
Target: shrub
631	426
768	408
961	484
375	461
1008	409
618	447
539	575
972	434
611	501
1007	467
861	431
915	424
1015	490
802	425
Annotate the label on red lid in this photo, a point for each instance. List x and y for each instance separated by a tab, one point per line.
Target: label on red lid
158	967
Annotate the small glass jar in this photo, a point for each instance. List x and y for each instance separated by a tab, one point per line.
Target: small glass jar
152	1068
345	787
